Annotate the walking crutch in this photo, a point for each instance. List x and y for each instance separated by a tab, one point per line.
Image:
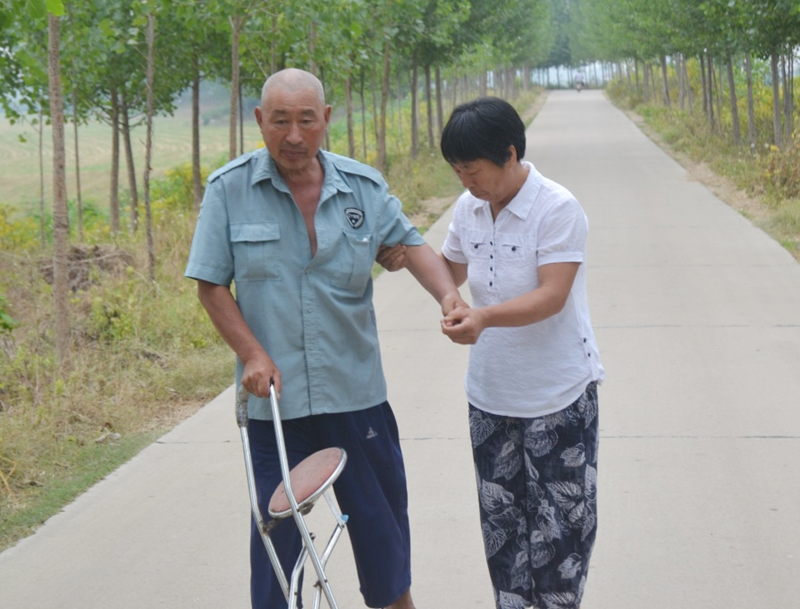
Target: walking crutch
300	489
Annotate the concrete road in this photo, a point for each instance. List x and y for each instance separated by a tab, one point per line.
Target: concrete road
698	318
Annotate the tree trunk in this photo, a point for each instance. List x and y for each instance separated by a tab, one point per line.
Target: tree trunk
387	73
78	192
414	107
646	83
718	88
375	111
114	193
667	101
363	118
737	134
689	98
236	28
429	105
312	48
148	150
132	185
710	81
751	114
197	179
274	44
681	82
60	215
788	97
42	232
241	119
351	136
704	84
79	199
776	101
439	107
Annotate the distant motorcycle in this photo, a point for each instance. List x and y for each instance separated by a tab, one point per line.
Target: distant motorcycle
579	86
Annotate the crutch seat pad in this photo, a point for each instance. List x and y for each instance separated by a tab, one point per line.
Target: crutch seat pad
309	480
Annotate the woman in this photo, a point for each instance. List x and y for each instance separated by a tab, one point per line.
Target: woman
519	239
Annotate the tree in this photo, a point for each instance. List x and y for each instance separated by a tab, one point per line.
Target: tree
55	10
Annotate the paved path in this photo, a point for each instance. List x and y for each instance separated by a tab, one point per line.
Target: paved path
698	318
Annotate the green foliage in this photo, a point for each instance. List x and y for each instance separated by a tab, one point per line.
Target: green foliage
17	233
781	170
7	322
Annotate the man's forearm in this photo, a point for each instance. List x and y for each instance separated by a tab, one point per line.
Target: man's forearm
431	272
227	319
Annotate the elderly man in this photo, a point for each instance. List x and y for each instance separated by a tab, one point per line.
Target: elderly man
297	229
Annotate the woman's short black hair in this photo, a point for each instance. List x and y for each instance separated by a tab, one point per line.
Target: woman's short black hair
484	128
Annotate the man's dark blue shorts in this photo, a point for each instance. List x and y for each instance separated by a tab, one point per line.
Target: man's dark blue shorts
371	491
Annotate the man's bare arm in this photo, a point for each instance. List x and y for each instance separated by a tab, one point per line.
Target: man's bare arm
221	307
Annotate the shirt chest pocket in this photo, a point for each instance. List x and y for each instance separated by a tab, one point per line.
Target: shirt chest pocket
516	249
353	267
256	251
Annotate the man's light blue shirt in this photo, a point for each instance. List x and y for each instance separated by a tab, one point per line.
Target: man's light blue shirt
313	316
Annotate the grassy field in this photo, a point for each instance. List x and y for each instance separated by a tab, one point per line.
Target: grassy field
19	154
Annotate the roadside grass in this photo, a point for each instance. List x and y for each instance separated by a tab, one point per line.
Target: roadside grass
765	182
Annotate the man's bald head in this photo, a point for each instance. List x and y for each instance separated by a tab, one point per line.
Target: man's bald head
293	80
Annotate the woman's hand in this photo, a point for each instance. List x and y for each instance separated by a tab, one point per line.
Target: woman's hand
464	325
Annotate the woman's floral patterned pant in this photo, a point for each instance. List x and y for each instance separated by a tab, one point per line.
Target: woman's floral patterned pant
537	490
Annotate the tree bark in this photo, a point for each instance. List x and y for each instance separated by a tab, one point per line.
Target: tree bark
236	25
414	107
133	187
429	105
704	84
776	101
351	136
710	81
197	179
751	114
150	79
79	199
439	108
114	193
387	73
788	96
737	133
363	117
42	232
689	98
60	215
667	101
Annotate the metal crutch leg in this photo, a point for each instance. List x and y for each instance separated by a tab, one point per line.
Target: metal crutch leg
299	490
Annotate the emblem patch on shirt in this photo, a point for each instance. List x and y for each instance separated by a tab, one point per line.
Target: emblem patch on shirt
354	216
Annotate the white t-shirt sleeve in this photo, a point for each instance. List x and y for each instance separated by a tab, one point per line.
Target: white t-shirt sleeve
452	249
562	234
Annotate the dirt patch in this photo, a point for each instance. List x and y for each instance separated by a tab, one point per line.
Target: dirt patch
431	210
81	259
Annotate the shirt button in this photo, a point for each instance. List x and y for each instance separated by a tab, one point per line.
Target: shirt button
490	284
